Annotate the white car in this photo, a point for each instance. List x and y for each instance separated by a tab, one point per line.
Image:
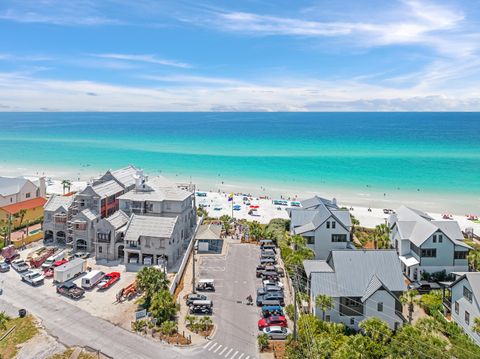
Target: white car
277	332
20	265
33	278
268	282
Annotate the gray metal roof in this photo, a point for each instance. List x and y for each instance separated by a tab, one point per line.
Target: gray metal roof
57	201
314	212
91	215
157	189
107	189
418	226
118	219
209	231
9	186
354	271
125	175
474	280
311	266
149	226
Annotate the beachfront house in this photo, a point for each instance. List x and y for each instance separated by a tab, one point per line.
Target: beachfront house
19	189
362	284
323	224
427	246
152	240
462	301
20	213
55	218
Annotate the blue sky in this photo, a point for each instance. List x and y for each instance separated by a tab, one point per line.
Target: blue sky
250	55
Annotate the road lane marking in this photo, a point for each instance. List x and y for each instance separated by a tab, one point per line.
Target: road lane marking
213	346
206	345
234	355
241	356
226	355
225	348
217	348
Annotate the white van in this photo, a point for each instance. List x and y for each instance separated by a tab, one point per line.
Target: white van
52	259
92	279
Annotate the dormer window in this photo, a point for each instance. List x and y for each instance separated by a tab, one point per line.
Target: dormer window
328	225
333	224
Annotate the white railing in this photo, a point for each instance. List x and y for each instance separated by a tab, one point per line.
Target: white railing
183	265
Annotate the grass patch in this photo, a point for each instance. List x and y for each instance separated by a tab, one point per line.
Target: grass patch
25	330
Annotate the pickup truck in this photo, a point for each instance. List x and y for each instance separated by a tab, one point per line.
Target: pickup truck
33	278
20	265
70	290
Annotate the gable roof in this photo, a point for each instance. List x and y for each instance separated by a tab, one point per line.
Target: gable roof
418	226
311	266
11	185
149	226
157	189
209	231
108	188
89	214
358	273
474	280
125	176
118	219
57	201
314	212
28	204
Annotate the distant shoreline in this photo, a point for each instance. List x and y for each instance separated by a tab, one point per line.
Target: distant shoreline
364	197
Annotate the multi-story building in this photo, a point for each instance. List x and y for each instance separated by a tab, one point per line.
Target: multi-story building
323	224
110	234
361	283
426	245
18	189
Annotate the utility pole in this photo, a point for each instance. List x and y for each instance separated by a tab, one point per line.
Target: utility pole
193	267
295	308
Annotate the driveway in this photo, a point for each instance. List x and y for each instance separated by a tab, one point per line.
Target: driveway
234	275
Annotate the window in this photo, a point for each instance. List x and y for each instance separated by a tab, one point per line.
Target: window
434	238
27	195
334	224
429	253
467	318
339	237
100	249
352	321
467	294
415	249
460	255
457	307
310	239
380	307
328	225
327	318
440	238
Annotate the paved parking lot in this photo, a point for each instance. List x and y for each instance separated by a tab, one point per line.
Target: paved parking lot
234	275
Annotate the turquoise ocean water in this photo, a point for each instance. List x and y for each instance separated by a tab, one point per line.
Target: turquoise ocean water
424	154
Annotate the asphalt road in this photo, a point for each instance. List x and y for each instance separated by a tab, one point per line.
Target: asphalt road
234	275
234	338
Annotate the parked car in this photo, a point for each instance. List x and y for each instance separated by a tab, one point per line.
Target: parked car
423	286
267	253
20	265
193	297
268	260
274	320
201	307
83	255
33	278
269	289
70	290
276	296
206	285
270	247
277	332
271	310
52	259
272	275
4	267
108	280
268	282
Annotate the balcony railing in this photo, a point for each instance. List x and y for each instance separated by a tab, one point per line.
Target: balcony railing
447	303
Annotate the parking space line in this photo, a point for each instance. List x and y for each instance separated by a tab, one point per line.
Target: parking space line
234	355
206	345
216	350
225	348
248	357
241	356
226	355
213	346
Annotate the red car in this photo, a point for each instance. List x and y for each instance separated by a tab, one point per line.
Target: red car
108	280
48	273
278	321
60	262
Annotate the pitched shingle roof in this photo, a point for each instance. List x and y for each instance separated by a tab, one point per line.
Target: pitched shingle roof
209	231
9	186
87	212
108	188
157	189
356	273
125	175
28	204
118	219
57	201
149	226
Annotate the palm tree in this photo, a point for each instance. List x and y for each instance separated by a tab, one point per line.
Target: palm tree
381	236
151	280
163	306
4	319
190	320
409	298
168	327
66	184
476	325
324	302
4	231
206	322
22	214
138	325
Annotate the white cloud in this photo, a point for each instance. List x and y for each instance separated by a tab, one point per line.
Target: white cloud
194	80
143	58
56	19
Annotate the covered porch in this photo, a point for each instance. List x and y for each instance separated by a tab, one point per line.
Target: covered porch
410	267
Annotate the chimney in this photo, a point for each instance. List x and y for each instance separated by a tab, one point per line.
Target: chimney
334	201
42	187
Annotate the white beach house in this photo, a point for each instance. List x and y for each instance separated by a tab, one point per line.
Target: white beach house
362	284
426	245
323	224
